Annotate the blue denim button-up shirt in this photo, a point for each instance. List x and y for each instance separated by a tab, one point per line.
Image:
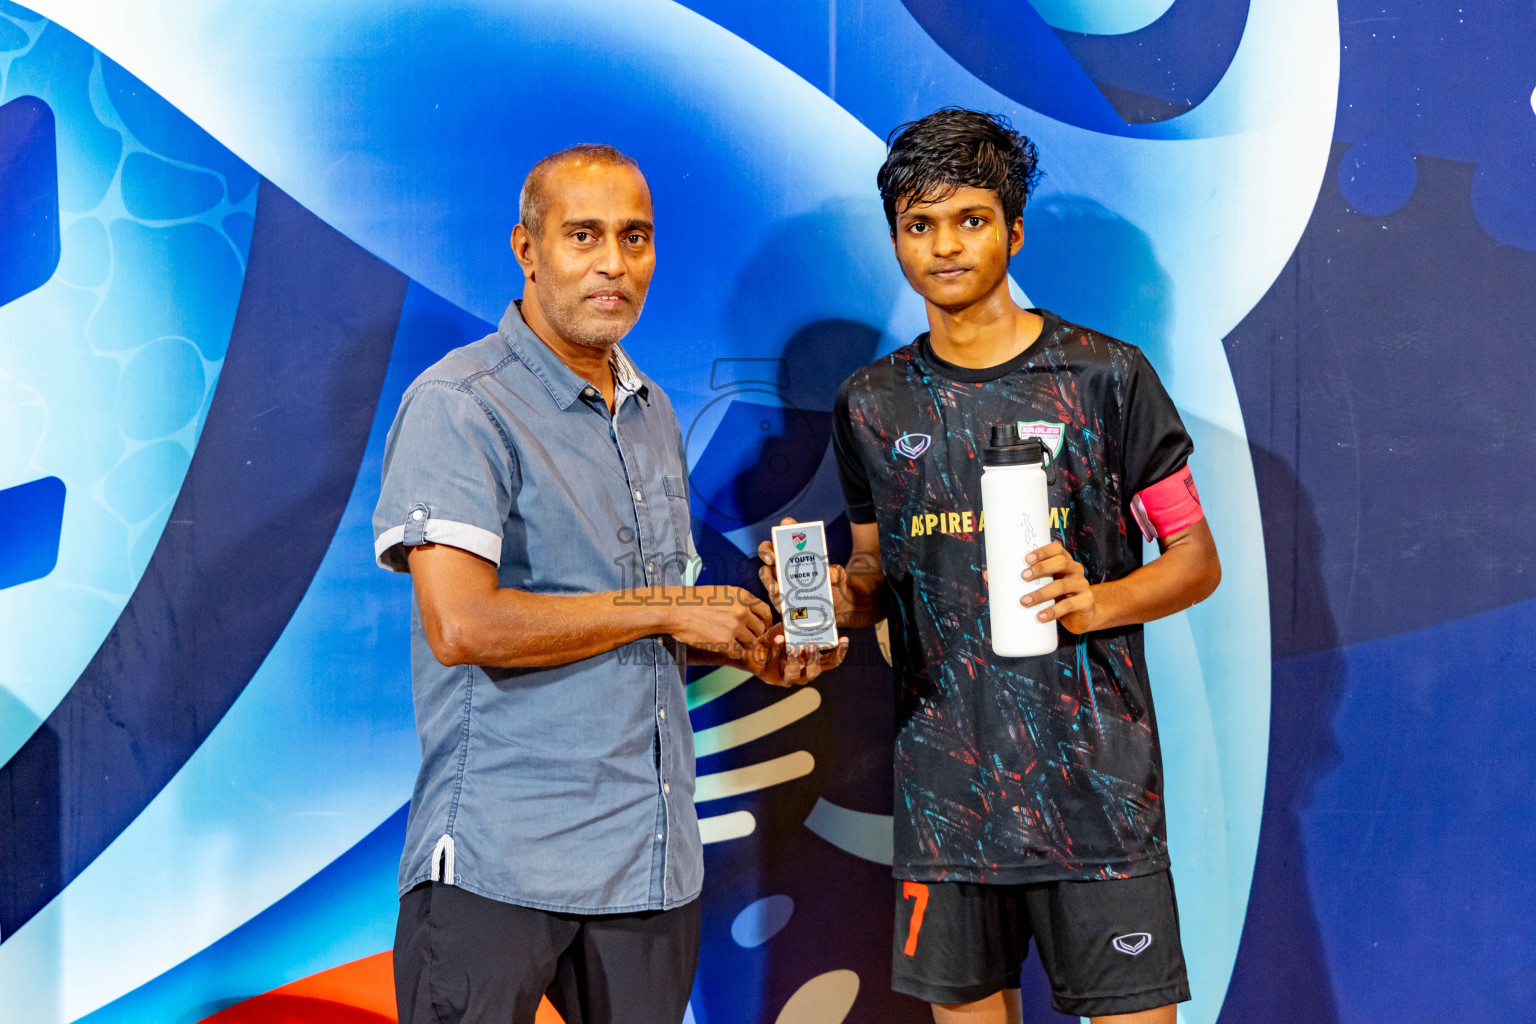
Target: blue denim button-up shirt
569	788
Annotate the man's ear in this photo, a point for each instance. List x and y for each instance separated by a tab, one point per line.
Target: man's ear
523	250
1016	235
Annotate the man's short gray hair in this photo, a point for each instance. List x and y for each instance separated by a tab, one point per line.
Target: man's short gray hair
532	202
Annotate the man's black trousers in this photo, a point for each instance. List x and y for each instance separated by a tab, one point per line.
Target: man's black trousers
461	958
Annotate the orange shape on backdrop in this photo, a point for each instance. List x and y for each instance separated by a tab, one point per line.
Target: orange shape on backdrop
361	992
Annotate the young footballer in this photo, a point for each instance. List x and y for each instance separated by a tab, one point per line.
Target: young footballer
1029	791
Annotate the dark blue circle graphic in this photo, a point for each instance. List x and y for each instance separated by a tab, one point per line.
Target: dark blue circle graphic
1377	176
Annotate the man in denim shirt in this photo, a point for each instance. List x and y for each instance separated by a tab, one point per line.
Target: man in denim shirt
535	488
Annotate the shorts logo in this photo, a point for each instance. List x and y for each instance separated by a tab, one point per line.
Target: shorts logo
1133	944
912	445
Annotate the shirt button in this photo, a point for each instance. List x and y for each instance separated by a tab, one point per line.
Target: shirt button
663	714
658	837
418	515
650	566
666	787
591	391
639	496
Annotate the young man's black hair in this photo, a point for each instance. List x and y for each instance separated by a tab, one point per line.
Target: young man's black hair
957	148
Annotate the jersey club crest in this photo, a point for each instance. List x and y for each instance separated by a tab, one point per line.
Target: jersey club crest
1049	431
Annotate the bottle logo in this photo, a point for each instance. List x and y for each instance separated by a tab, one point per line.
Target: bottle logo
912	445
1030	531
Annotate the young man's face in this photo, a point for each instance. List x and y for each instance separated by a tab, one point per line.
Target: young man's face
593	264
955	252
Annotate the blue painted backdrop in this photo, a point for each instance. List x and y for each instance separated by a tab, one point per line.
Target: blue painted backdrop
230	235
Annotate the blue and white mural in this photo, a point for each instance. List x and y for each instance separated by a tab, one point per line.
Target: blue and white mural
231	234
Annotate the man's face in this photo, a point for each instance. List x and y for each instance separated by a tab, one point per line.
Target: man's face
594	263
955	252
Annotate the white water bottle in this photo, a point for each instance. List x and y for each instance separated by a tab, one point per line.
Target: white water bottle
1016	505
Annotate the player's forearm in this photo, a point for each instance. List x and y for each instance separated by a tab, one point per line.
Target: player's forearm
864	593
517	629
1186	573
863	611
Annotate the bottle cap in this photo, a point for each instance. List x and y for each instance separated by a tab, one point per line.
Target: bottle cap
1009	449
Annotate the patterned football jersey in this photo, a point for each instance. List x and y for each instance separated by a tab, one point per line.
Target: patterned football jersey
1012	770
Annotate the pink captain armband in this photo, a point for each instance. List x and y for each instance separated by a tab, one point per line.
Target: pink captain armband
1168	506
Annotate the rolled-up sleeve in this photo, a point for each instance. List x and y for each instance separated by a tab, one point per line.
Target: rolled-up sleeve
450	476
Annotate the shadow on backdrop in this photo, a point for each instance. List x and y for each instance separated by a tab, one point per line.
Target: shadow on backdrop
811	294
817	287
770	426
1281	963
769	430
1091	266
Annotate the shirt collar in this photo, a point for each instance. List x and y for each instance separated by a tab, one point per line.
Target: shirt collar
564	384
627	374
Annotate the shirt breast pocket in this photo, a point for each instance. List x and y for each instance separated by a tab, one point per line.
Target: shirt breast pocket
676	490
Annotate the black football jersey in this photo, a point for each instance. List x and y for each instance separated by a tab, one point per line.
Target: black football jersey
1012	770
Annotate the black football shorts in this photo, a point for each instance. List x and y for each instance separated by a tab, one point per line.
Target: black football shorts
1107	946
